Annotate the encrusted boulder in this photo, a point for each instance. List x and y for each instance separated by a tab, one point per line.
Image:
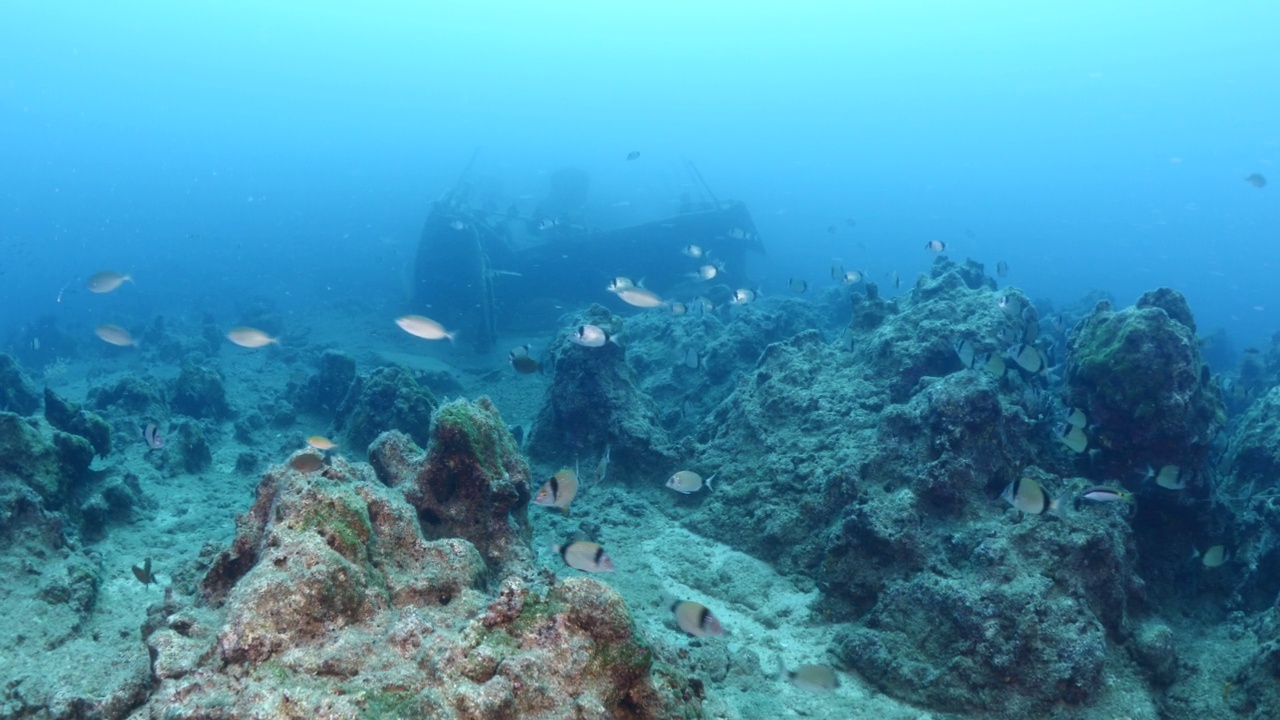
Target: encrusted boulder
388	399
199	392
595	401
1138	376
331	603
471	482
49	462
68	417
324	391
16	393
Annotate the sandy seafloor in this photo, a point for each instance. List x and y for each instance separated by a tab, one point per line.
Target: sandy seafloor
768	616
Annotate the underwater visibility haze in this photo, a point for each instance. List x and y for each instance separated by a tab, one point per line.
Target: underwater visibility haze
639	360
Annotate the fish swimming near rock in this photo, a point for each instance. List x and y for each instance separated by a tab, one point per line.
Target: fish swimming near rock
602	467
990	363
1028	357
143	572
558	491
1215	556
1076	417
688	482
321	443
1169	477
590	336
1256	180
705	272
639	297
307	461
964	350
151	436
1002	268
1072	436
678	308
813	678
523	364
586	556
115	335
1026	495
253	338
106	281
797	285
742	296
695	619
692	360
1101	493
935	246
424	327
619	283
851	277
693	251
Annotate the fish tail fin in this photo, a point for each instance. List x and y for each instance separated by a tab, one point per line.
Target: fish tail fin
707	482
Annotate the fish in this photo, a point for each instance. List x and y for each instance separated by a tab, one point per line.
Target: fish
586	556
1026	495
935	246
143	572
678	308
738	234
1215	556
831	229
797	285
1100	493
964	349
424	327
692	360
1027	357
1256	180
1076	417
523	364
688	482
1071	436
695	619
1002	268
814	678
558	491
850	222
693	251
321	443
1169	477
851	277
742	296
1059	323
151	436
705	306
602	467
306	462
897	281
106	281
837	272
633	154
990	363
619	283
590	336
639	297
115	335
706	272
247	337
547	223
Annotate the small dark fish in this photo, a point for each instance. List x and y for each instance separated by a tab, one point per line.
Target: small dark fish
850	222
520	360
831	229
151	436
1256	180
143	572
633	154
306	462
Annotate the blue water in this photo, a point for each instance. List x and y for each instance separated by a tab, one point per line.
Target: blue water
217	150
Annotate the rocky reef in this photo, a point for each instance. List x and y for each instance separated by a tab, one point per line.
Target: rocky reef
389	398
331	601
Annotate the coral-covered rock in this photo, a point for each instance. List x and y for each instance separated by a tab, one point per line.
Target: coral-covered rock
48	462
595	401
1138	375
191	445
331	603
16	393
68	417
199	392
324	392
388	399
132	394
471	483
1253	455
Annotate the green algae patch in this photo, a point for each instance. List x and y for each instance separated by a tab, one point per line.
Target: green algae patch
479	427
341	518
